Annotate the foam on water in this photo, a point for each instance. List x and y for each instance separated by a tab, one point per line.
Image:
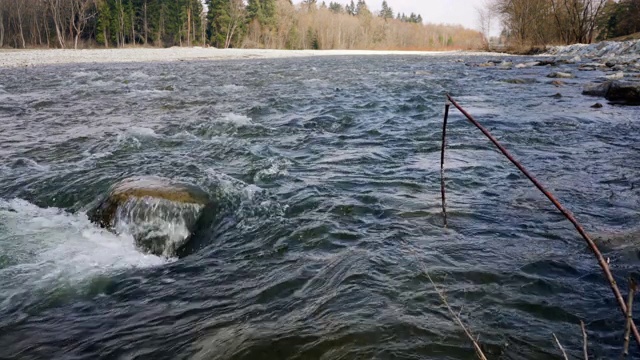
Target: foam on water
46	248
236	119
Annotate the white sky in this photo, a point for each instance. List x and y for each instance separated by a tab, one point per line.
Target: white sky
433	11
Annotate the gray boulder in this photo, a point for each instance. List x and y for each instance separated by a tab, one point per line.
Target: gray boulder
618	92
627	93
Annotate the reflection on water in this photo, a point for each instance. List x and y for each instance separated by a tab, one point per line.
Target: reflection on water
326	185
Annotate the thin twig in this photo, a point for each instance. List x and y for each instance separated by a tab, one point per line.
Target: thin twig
444	137
560	346
457	318
584	340
632	292
594	248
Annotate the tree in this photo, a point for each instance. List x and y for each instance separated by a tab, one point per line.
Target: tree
386	12
351	8
335	7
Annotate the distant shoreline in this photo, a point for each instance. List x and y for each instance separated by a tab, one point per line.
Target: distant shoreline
11	58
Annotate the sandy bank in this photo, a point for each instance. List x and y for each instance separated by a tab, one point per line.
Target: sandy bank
22	58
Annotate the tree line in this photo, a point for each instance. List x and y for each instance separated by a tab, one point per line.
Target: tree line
277	24
544	22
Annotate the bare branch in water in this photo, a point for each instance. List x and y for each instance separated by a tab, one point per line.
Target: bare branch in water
627	331
560	346
457	319
584	340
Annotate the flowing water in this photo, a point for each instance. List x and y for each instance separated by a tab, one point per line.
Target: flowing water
325	173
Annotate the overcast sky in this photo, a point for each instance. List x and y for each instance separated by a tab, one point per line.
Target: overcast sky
434	11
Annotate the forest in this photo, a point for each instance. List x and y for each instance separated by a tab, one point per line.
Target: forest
544	22
275	24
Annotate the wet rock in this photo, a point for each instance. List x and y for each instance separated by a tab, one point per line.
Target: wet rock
521	81
616	76
627	93
610	64
528	64
619	68
558	83
597	89
557	96
561	75
487	64
546	62
587	68
159	213
596	106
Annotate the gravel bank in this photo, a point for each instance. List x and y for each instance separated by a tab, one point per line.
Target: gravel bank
23	58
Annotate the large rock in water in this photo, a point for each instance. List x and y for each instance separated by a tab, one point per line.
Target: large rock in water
619	92
159	213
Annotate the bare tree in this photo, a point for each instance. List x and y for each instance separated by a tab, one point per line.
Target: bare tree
81	11
237	16
2	12
484	23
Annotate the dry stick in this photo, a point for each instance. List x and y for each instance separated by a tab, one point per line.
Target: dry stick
443	298
584	340
444	136
632	292
560	346
594	248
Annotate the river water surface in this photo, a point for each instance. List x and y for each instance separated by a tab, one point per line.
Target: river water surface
327	175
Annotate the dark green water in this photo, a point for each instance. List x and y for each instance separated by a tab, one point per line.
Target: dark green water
327	175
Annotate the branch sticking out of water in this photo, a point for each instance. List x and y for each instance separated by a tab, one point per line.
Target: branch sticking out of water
444	137
604	264
584	340
627	331
457	319
560	346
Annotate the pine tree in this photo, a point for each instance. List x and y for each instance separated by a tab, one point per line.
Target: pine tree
386	12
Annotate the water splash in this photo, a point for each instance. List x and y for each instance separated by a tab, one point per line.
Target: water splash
158	226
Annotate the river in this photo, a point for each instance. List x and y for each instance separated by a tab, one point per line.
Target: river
327	175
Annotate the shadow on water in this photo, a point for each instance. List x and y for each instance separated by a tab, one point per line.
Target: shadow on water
326	181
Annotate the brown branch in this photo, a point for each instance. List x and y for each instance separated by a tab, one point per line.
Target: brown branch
632	292
444	136
584	340
560	346
443	298
594	248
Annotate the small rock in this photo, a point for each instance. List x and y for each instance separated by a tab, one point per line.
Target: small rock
561	75
521	81
546	62
557	96
587	68
487	64
616	76
521	66
619	68
596	106
558	83
610	64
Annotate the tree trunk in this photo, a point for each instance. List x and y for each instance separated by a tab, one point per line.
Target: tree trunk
189	25
24	44
1	28
146	24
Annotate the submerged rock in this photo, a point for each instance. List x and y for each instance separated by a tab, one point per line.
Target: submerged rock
159	213
596	106
561	75
616	76
521	81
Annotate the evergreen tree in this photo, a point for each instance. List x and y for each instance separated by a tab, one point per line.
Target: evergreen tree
351	8
386	12
335	7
